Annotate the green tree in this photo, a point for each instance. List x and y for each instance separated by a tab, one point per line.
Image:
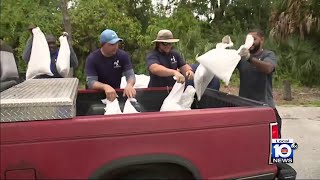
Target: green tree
17	15
295	16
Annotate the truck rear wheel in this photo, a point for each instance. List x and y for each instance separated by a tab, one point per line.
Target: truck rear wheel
154	175
154	172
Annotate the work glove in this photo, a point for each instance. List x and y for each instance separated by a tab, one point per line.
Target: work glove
226	39
30	27
65	34
245	54
225	43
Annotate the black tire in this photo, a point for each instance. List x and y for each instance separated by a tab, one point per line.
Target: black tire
158	174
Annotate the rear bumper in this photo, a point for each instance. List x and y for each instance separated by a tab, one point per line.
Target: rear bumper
286	172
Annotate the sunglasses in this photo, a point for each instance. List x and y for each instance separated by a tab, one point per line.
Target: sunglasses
166	43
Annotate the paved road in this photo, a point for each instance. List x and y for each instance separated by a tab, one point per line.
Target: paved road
302	124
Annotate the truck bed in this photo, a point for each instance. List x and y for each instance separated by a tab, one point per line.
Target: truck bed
151	99
212	141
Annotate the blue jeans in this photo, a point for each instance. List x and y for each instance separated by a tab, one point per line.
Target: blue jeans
214	83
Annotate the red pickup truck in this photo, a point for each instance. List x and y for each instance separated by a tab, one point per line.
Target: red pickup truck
222	137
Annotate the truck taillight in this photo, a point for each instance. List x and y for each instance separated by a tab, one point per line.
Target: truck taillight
274	131
274	134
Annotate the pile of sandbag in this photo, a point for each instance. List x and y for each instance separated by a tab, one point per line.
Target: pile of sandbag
142	81
112	107
179	98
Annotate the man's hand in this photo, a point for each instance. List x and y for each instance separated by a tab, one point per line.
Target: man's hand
65	34
179	77
189	75
226	39
129	91
110	93
245	54
30	27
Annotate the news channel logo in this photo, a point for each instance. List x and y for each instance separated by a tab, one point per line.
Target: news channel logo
282	150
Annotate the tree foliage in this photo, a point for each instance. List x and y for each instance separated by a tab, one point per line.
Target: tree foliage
292	16
199	24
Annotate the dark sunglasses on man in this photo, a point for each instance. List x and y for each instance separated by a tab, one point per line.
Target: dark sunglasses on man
166	43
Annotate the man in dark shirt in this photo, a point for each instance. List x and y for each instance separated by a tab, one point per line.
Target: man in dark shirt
54	51
163	62
256	68
105	67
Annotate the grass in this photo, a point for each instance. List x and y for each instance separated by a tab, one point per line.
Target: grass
302	95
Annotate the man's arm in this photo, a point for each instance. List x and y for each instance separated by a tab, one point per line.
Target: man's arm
185	69
162	71
267	64
130	77
93	83
156	68
92	75
263	66
27	50
129	90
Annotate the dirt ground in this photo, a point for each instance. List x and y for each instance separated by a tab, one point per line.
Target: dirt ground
302	96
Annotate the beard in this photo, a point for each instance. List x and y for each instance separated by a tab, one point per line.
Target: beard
255	48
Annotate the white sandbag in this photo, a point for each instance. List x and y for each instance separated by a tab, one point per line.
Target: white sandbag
128	107
187	98
171	101
63	59
142	81
39	62
223	45
220	62
248	43
111	107
202	78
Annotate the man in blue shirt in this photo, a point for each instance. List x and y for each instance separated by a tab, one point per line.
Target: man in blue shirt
105	67
163	62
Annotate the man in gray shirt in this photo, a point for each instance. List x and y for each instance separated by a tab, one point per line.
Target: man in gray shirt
256	68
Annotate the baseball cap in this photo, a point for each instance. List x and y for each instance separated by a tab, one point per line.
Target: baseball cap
109	36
